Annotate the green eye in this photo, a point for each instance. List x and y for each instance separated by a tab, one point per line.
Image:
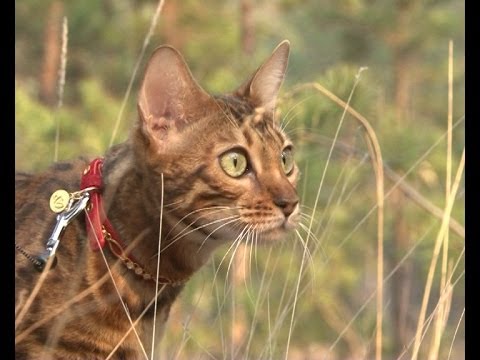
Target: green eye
234	163
287	160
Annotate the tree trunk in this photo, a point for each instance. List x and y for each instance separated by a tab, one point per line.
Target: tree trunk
51	54
402	279
169	21
403	67
399	40
247	27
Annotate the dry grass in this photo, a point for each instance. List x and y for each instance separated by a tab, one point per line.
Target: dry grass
304	269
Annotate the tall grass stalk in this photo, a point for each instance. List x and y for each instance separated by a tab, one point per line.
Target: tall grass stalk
146	41
357	79
127	313
376	155
61	84
442	315
158	270
387	278
455	333
436	251
137	320
428	320
34	293
370	132
288	302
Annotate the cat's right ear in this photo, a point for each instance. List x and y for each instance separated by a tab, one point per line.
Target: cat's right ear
169	97
262	88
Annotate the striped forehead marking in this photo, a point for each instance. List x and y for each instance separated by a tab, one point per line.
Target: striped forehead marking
263	128
251	121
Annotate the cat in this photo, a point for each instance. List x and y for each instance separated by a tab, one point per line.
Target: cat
197	171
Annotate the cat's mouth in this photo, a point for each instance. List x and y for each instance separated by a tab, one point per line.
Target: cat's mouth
278	230
272	228
246	226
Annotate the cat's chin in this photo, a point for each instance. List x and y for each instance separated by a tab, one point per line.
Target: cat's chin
263	235
277	233
273	235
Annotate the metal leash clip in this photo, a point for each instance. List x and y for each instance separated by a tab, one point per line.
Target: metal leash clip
63	219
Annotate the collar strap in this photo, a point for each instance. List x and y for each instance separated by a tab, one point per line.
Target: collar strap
92	177
100	230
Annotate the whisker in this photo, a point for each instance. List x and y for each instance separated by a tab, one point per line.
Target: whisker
280	315
252	248
258	303
219	309
173	203
309	218
177	238
307	250
216	229
304	206
293	116
173	209
255	247
249	245
318	246
239	242
238	238
236	248
214	208
309	232
227	116
283	125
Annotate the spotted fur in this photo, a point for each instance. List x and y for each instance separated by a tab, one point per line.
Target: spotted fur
172	157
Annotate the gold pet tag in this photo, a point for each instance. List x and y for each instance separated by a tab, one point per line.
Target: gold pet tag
59	201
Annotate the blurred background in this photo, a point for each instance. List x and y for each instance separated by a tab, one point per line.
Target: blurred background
282	302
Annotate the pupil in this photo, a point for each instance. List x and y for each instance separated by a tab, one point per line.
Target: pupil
235	161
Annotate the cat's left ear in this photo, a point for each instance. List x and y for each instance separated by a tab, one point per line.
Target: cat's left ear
170	99
262	88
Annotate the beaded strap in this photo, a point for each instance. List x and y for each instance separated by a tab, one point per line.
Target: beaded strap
118	251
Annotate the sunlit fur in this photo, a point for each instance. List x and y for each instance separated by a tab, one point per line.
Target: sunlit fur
172	157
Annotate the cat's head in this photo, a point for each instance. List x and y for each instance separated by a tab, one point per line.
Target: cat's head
228	169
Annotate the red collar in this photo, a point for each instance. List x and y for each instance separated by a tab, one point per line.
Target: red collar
100	230
92	177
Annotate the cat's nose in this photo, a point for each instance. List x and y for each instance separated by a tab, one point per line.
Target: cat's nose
287	205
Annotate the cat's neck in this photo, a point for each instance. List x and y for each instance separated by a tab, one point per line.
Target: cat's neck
133	205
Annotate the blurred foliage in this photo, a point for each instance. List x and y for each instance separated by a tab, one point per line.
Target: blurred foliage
330	40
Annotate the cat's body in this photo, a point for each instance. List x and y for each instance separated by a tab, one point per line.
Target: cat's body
220	167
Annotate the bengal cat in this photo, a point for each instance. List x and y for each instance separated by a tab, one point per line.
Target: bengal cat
196	171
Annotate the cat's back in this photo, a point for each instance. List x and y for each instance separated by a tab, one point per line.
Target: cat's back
36	188
33	217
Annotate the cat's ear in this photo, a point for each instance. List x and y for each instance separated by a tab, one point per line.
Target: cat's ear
169	97
262	88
